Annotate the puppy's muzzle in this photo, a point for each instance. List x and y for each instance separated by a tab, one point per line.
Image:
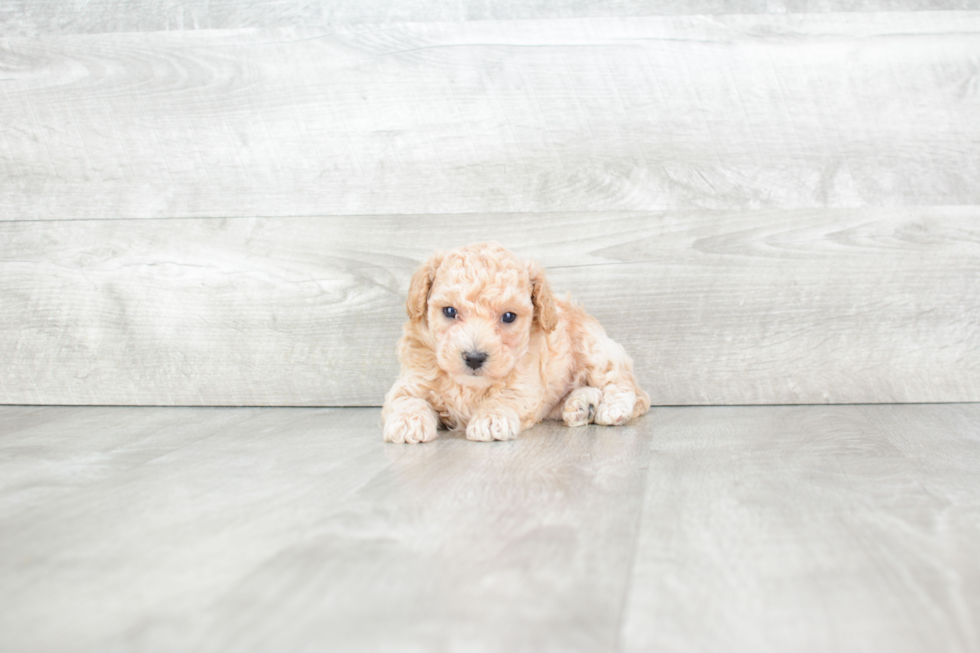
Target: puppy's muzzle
474	359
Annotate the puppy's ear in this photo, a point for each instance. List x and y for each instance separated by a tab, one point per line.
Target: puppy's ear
419	287
545	313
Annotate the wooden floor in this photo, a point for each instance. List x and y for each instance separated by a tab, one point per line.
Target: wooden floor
794	528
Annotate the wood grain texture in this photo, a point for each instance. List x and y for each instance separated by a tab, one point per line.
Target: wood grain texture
809	529
298	529
844	528
29	17
715	308
584	135
586	114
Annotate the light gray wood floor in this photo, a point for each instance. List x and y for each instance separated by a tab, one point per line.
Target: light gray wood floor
793	528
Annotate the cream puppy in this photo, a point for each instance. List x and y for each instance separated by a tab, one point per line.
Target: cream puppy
489	349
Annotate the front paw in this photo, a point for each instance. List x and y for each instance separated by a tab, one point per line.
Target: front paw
487	428
411	422
616	408
580	406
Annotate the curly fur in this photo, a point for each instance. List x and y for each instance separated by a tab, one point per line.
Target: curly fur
554	361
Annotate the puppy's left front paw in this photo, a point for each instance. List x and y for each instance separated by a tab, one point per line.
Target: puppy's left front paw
615	409
580	406
486	428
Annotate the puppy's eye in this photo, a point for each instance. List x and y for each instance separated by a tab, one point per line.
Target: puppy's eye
449	312
509	317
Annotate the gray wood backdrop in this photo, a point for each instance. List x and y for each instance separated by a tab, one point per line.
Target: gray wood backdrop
221	202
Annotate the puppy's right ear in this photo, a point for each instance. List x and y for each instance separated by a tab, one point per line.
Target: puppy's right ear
419	287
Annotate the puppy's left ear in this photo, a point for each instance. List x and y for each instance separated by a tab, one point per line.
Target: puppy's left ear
545	313
419	287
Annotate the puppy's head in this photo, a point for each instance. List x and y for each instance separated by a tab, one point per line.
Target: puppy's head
478	306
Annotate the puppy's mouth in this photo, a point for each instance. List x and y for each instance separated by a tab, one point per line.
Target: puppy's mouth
472	379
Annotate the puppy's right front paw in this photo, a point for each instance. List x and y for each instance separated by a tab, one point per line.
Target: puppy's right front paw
487	428
415	422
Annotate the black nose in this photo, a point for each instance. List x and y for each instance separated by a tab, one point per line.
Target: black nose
474	359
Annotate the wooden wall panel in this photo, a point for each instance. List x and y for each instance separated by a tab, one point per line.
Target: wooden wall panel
98	16
755	204
646	113
859	305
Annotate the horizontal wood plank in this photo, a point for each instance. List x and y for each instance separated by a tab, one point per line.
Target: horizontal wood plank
587	114
97	16
810	306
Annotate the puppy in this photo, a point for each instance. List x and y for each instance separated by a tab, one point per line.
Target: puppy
489	349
